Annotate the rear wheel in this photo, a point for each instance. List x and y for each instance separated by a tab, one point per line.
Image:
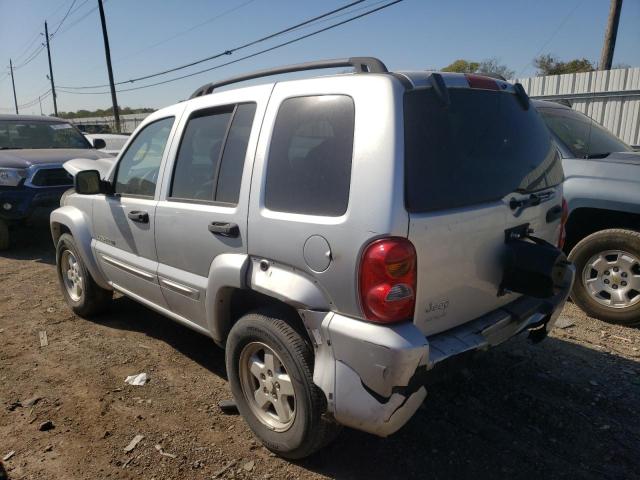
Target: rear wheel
607	284
269	364
81	292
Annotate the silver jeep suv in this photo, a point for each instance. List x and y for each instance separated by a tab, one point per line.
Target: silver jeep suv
340	236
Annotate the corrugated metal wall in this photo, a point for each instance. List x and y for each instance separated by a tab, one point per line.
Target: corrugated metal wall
611	98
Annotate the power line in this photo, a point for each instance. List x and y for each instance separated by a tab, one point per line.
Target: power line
63	19
32	102
36	100
552	36
77	21
223	53
40	48
31	57
275	47
29	44
184	32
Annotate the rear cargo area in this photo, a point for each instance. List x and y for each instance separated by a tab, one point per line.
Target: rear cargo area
467	161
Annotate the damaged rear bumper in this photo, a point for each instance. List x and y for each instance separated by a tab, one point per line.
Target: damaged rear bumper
373	375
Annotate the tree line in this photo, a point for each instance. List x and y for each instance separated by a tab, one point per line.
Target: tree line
103	112
545	65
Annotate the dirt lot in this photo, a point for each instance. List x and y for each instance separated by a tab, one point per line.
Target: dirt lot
567	408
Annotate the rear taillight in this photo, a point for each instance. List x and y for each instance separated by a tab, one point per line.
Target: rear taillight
563	224
388	280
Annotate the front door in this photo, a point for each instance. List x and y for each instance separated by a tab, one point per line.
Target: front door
202	212
124	221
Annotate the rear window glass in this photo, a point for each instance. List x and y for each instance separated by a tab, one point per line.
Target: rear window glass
478	149
309	166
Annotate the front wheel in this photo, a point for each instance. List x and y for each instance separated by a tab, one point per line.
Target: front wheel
607	283
84	296
269	365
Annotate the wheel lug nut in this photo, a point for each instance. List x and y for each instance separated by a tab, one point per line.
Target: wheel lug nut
262	376
624	284
277	385
615	287
615	269
606	281
606	272
624	274
269	373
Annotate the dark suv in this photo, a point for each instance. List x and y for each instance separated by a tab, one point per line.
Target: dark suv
32	151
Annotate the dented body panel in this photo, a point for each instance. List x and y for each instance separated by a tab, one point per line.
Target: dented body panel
373	375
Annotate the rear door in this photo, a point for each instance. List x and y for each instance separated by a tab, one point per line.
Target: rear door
465	163
202	212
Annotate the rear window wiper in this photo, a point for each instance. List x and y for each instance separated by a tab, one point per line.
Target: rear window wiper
532	200
597	155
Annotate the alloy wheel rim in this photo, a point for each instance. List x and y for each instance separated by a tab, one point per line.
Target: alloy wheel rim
267	386
612	278
72	275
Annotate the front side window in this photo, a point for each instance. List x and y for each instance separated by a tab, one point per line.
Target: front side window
309	164
138	168
211	155
580	134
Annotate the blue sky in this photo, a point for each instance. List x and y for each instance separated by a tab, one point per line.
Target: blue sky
413	34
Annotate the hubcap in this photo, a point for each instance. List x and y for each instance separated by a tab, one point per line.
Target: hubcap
267	386
72	275
612	278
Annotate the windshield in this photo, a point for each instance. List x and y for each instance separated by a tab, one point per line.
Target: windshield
21	134
481	147
583	137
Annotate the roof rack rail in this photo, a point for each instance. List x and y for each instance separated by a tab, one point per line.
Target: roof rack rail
360	65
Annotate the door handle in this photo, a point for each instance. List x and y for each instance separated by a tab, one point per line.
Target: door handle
224	229
138	216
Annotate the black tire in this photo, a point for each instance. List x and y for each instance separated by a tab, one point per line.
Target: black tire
310	430
4	235
94	299
602	241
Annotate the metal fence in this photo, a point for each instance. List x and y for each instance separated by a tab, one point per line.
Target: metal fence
610	97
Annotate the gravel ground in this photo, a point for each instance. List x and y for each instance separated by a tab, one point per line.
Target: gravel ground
566	408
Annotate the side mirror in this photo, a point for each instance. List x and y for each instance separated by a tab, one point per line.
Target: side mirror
99	143
88	182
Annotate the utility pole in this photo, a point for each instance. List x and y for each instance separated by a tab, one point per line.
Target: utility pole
15	99
53	86
107	53
40	102
606	58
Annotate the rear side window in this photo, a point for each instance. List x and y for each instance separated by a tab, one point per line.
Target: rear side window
479	148
581	135
211	154
309	164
